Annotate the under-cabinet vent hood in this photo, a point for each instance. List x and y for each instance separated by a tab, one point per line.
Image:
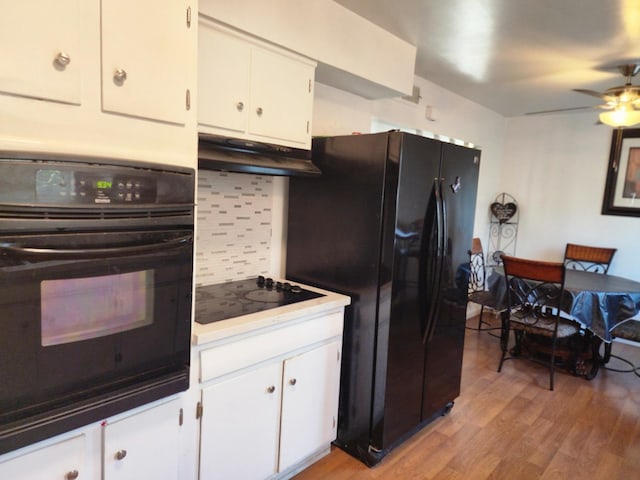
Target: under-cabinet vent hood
245	156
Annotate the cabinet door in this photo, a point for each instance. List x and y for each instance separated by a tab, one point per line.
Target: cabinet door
223	79
40	49
281	97
145	445
64	460
309	403
239	430
145	58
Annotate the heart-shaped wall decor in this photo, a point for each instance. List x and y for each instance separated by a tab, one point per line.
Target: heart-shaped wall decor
503	211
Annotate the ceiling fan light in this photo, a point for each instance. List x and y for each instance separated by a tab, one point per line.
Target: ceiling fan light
620	118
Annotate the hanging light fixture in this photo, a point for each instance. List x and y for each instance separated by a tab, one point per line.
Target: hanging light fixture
622	103
624	115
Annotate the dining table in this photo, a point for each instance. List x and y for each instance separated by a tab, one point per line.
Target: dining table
598	301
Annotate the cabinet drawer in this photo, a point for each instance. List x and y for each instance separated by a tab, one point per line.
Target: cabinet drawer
234	355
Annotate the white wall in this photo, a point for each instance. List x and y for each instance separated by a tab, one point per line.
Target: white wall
556	166
339	113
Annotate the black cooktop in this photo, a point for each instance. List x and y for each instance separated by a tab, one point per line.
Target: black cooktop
233	299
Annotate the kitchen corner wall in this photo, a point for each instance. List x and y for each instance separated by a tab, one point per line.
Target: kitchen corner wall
234	226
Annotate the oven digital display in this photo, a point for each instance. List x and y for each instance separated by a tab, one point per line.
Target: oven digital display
82	308
104	184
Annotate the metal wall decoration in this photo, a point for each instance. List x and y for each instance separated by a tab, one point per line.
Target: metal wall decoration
503	230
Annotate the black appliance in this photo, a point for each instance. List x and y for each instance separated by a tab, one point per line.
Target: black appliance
96	263
216	152
233	299
389	223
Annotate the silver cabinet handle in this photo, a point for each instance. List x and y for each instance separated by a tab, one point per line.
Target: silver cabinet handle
120	75
62	59
120	454
293	381
240	106
72	475
259	111
271	389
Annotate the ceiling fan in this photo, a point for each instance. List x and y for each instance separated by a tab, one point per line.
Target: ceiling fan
621	103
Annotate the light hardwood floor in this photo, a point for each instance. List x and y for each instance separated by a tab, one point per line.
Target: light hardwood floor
510	426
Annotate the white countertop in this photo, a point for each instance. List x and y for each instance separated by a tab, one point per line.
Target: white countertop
210	332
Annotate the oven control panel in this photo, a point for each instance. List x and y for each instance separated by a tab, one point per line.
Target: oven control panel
86	187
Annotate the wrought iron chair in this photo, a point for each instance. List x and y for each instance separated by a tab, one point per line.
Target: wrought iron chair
478	292
535	290
590	259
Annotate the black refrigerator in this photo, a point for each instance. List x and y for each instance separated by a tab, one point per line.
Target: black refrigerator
389	223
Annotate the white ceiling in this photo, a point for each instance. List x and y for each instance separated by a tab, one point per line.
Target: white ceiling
515	56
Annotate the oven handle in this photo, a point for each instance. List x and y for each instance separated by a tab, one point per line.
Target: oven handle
103	252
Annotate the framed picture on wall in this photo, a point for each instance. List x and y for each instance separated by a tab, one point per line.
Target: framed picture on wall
622	189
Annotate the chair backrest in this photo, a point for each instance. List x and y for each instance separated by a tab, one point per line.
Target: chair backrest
533	284
590	259
477	272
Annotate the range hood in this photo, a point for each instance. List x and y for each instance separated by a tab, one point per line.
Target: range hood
245	156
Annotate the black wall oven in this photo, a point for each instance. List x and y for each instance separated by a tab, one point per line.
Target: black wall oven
96	264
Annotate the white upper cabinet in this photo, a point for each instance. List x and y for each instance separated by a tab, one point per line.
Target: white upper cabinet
281	97
145	70
100	78
43	66
251	90
223	79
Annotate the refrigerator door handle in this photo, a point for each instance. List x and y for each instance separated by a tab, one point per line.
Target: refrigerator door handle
440	263
433	275
441	229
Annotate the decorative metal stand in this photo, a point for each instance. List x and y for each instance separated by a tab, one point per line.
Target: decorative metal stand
503	231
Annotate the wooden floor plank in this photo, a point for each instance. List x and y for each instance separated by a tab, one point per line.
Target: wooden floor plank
509	425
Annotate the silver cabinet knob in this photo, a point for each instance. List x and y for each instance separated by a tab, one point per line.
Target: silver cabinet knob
271	389
293	381
62	59
120	75
120	454
240	106
259	111
72	475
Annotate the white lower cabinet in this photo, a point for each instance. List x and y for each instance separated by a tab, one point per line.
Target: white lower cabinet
240	420
64	460
275	414
141	444
309	403
145	445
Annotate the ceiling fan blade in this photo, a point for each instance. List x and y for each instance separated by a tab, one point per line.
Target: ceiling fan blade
557	110
593	93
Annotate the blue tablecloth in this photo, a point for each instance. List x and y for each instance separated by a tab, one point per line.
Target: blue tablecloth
600	302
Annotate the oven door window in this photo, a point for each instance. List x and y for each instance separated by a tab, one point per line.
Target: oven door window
83	308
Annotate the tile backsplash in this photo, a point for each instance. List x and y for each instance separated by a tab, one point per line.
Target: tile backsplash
233	236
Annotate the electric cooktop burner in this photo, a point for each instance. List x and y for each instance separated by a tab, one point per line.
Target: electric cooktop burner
233	299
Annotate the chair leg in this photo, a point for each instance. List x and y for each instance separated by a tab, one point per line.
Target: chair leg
480	319
504	337
607	353
552	364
